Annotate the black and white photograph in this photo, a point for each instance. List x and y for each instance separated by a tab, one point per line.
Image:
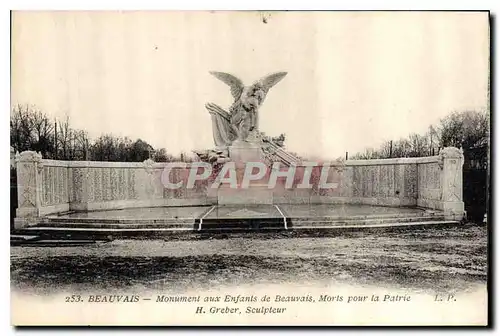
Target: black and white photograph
249	168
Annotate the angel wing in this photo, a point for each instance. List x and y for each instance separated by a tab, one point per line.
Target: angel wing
271	80
234	83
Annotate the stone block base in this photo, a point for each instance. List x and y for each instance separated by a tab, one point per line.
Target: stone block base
454	210
249	196
21	223
242	152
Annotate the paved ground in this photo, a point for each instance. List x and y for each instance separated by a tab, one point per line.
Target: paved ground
433	259
344	210
143	213
310	210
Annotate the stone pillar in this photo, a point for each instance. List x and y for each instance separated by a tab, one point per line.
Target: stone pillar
241	153
79	178
29	188
451	162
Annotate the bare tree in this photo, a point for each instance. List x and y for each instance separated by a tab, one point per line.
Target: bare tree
369	153
42	130
419	145
64	136
21	128
466	129
386	150
81	145
469	129
434	136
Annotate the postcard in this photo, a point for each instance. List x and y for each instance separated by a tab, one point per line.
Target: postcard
250	168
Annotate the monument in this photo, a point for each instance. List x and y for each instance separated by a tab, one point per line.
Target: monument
236	131
237	137
432	185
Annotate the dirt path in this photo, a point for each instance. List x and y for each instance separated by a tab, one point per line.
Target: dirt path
421	259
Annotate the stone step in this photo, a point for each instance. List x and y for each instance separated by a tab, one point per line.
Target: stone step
79	233
118	220
325	226
130	225
251	223
222	229
320	221
107	233
213	223
241	219
16	237
53	242
422	214
104	229
244	224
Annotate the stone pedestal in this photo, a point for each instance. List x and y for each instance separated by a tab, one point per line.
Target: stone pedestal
451	162
29	187
241	153
255	194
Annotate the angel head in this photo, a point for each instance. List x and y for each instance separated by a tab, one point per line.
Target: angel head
251	97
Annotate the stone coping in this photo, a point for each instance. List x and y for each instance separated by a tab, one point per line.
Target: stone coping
395	161
161	165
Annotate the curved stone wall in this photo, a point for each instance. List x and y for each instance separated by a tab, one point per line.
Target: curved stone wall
49	186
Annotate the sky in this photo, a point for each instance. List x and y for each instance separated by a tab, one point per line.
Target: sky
355	79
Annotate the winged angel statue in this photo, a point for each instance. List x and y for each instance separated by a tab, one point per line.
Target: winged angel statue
241	122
